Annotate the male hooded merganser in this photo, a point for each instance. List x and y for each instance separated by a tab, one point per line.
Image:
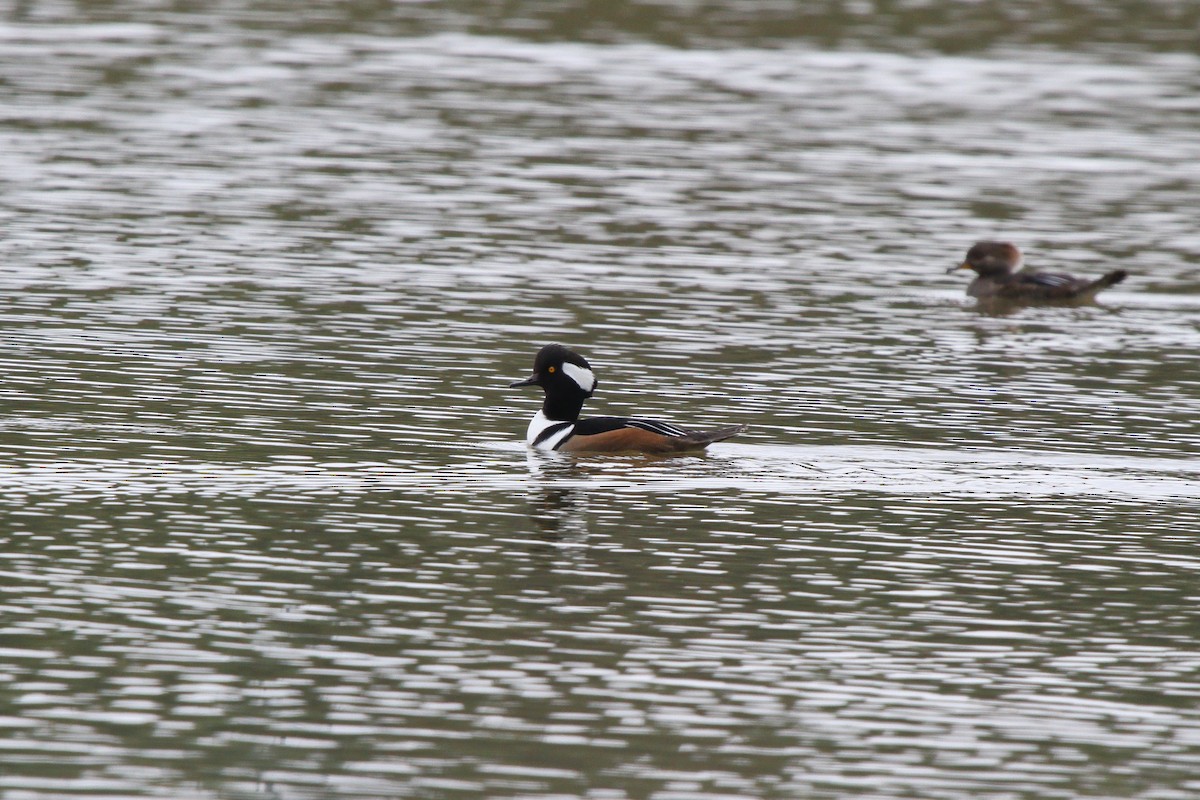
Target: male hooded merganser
996	265
567	379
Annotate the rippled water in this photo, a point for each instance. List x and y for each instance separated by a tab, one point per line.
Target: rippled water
268	528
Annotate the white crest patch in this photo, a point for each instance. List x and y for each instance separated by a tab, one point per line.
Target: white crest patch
581	375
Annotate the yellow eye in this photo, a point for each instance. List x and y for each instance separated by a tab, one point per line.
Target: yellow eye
550	370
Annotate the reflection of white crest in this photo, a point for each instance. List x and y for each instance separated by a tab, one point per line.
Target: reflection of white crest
581	375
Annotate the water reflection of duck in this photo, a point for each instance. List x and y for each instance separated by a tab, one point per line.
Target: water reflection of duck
559	511
996	278
568	381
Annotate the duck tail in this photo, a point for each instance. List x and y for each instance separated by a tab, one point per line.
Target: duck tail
695	440
1103	282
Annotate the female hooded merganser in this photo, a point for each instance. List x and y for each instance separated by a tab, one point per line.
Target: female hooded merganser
996	265
568	380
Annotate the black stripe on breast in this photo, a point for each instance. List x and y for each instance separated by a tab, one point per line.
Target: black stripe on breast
551	431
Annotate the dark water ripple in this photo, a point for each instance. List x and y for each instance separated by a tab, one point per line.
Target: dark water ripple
268	530
762	638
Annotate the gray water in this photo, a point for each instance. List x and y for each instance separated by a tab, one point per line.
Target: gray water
267	525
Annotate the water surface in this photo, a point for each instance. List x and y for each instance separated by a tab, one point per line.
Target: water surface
267	528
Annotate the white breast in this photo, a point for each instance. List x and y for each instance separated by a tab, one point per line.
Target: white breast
538	425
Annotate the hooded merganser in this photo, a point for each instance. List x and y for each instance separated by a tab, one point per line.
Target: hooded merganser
996	265
567	379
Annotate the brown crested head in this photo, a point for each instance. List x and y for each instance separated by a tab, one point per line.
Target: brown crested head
992	259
